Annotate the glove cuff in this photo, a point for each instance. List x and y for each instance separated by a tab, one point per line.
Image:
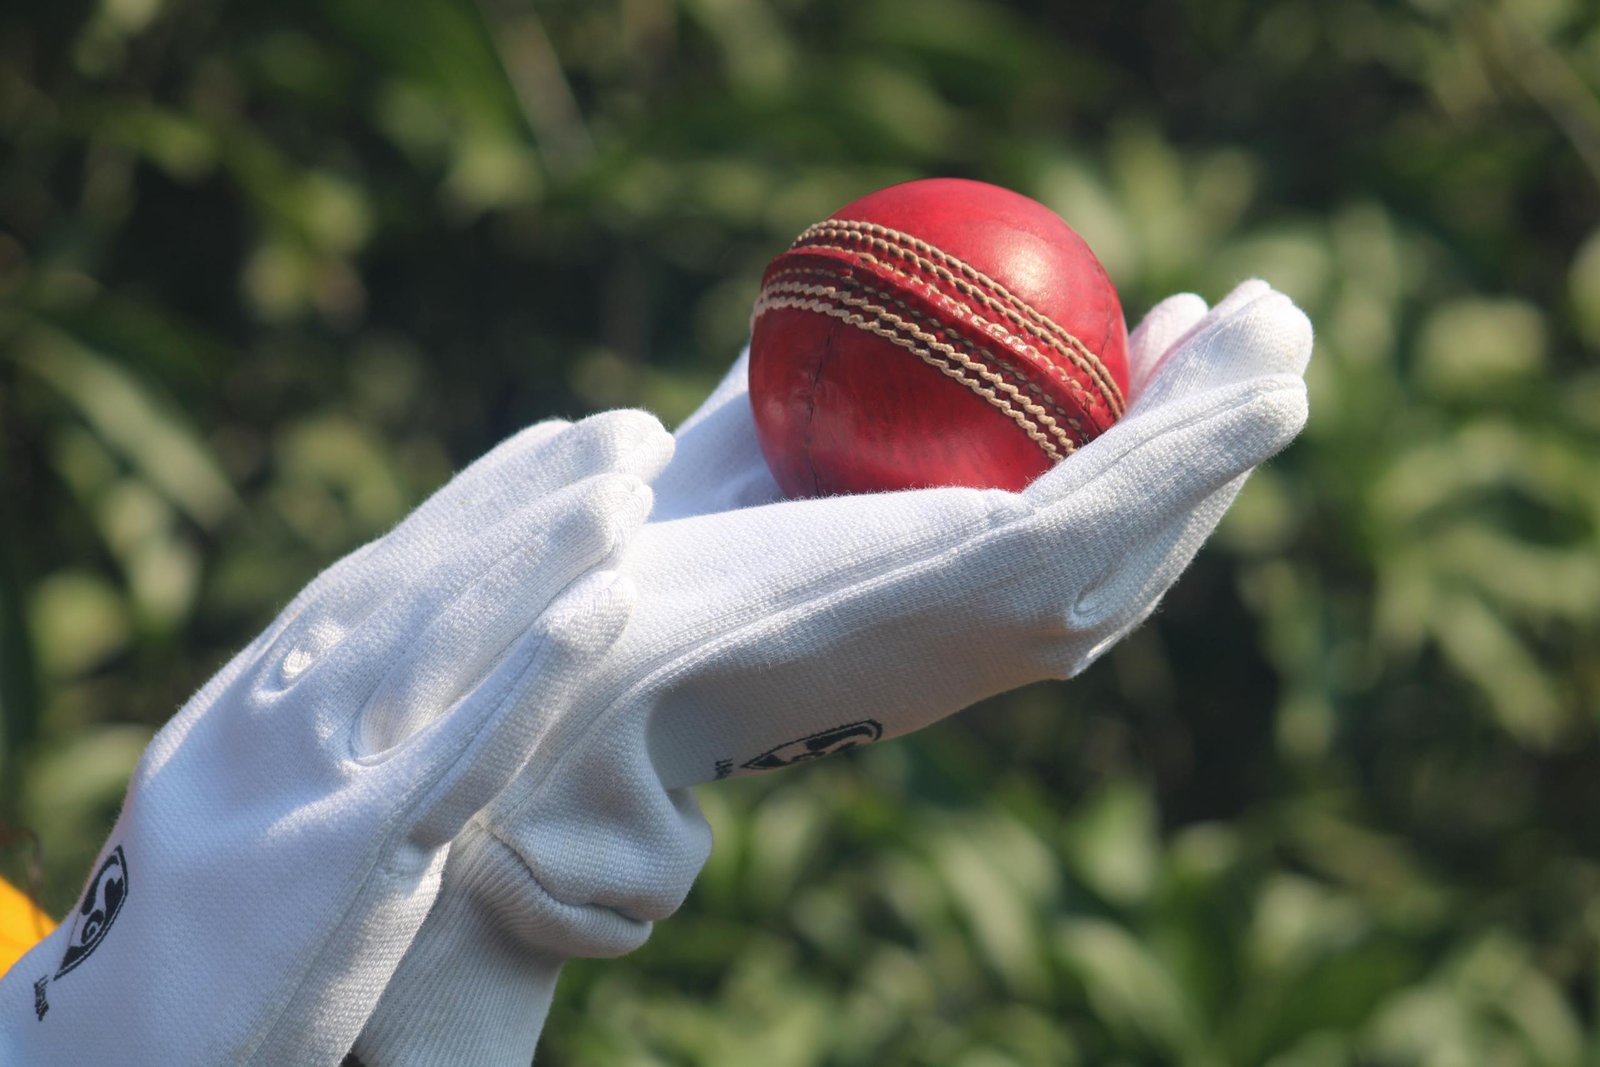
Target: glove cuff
476	995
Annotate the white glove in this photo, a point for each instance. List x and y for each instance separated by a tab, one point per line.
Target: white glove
774	632
283	836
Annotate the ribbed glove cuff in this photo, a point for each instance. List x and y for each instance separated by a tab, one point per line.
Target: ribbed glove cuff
478	996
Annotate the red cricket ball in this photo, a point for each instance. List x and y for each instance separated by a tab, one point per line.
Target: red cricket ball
940	332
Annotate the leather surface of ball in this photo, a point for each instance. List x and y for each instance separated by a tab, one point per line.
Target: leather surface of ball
939	332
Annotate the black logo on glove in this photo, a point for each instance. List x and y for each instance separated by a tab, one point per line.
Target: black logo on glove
101	903
816	746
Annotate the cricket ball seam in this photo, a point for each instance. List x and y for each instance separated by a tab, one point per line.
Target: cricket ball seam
1087	399
828	301
946	266
892	321
984	326
973	283
977	351
910	344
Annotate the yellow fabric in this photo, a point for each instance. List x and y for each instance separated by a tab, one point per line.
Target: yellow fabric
21	925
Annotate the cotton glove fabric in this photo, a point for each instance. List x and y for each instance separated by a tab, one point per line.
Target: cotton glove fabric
284	834
771	632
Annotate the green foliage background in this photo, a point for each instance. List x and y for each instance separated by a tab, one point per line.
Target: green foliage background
270	271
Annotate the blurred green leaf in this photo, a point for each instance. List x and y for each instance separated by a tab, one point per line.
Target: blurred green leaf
147	432
999	877
1476	348
78	620
1112	841
1486	651
1130	990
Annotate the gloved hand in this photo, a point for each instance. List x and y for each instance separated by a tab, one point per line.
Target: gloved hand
773	632
284	834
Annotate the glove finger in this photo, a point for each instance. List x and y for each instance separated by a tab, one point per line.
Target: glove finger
1268	341
464	492
1135	526
1166	325
345	656
1246	292
1130	591
525	467
625	441
471	755
472	490
458	648
1263	335
1153	460
544	457
528	465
